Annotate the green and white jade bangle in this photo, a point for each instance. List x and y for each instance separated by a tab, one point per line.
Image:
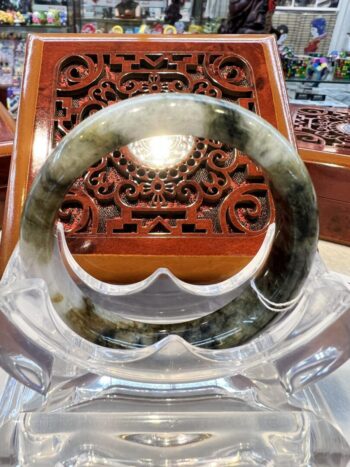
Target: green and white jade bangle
284	272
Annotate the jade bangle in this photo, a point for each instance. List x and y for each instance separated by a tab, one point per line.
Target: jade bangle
294	245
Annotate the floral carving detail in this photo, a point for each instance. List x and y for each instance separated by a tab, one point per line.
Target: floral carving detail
214	190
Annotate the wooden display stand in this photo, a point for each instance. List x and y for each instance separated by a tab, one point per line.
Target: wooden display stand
323	139
121	235
7	134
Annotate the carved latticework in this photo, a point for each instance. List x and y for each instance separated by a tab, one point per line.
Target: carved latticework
323	137
203	218
323	129
214	191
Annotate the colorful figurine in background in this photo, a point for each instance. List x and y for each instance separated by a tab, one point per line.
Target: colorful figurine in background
117	29
195	29
169	29
287	53
11	17
18	18
157	28
88	28
144	29
282	35
12	100
54	18
5	17
172	12
295	67
342	68
318	69
50	17
212	26
63	18
180	27
128	9
39	17
318	32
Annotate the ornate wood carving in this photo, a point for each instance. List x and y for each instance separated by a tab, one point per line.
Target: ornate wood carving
121	217
214	190
323	137
324	129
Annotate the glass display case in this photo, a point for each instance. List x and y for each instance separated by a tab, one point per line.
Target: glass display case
17	20
102	16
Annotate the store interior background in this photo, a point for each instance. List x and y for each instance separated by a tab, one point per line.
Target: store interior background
317	78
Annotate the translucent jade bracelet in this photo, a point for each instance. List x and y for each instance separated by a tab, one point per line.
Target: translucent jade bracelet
279	281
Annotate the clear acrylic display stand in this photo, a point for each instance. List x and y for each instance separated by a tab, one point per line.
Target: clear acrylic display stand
278	399
262	404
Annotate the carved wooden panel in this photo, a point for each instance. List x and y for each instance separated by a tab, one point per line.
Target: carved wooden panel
324	129
213	191
205	217
323	138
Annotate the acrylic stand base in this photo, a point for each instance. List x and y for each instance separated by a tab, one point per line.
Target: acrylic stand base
218	424
286	406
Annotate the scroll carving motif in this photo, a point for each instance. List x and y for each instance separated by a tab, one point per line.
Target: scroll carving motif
214	190
325	129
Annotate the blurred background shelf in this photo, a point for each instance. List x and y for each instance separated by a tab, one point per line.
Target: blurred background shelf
31	28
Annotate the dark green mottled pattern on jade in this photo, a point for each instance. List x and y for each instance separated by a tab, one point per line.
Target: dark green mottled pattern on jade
296	235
